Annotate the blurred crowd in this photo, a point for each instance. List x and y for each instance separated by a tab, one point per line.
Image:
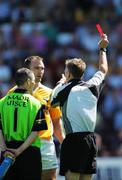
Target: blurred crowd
61	29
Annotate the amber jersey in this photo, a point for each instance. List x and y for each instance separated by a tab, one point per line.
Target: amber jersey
43	93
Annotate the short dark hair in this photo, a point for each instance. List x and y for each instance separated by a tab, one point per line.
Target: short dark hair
76	67
22	75
29	59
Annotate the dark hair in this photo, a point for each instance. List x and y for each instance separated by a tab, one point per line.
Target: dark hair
29	59
76	67
22	75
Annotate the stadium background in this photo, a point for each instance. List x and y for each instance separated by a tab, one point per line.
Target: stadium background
60	29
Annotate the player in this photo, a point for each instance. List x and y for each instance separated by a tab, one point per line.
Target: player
52	115
21	117
42	93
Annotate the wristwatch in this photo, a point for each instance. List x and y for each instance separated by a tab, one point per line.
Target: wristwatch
103	49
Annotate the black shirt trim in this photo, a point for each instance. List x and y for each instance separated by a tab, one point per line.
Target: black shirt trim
18	90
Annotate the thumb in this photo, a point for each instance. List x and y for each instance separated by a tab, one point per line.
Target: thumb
63	76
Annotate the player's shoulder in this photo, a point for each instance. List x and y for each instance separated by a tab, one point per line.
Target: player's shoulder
45	88
2	99
32	98
11	90
34	101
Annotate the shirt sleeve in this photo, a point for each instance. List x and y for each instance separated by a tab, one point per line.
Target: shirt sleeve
40	122
97	79
96	83
54	97
55	113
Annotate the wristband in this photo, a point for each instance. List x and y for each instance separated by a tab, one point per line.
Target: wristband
103	49
7	150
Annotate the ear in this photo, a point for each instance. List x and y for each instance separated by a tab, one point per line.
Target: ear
28	82
70	75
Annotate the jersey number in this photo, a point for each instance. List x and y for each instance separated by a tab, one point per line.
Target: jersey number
15	119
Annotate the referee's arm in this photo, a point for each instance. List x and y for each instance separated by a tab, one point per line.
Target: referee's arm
103	64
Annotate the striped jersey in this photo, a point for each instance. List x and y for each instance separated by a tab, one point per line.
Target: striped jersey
43	94
78	102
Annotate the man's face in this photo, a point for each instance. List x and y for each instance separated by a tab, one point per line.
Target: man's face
37	66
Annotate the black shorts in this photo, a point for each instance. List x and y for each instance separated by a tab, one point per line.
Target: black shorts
78	153
27	166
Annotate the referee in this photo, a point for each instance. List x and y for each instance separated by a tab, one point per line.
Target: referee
21	117
78	102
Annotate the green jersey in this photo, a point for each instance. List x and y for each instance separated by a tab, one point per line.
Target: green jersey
20	114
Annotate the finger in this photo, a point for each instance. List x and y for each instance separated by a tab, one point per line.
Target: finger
104	35
10	152
63	76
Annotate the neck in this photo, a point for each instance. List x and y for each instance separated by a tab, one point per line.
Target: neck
37	84
70	77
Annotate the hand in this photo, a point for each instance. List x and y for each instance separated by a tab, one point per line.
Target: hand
8	152
103	43
62	80
12	152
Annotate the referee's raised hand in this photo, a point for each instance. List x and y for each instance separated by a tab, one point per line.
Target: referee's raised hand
103	43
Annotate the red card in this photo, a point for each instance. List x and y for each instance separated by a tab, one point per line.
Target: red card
99	28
